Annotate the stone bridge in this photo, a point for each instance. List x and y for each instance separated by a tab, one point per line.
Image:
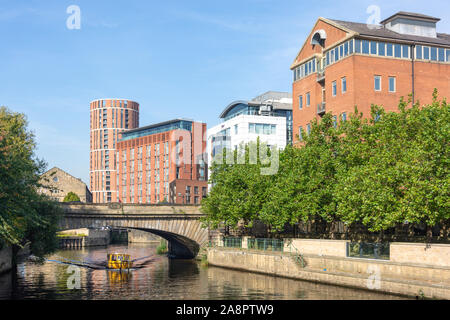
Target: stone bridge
179	225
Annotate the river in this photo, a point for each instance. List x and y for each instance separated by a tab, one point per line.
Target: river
160	279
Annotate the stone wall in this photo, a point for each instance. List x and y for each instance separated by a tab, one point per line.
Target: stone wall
92	237
376	275
6	256
333	248
430	254
60	183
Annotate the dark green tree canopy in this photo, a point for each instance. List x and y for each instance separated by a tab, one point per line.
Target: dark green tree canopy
25	215
380	172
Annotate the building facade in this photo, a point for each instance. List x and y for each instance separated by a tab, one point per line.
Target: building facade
108	119
346	64
164	162
59	183
268	116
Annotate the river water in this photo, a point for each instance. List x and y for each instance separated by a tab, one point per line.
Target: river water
159	279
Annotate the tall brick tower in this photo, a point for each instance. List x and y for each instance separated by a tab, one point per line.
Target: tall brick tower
108	119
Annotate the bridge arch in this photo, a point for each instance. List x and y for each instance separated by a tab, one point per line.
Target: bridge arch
179	225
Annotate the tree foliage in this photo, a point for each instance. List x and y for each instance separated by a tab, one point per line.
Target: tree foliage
382	171
25	215
71	197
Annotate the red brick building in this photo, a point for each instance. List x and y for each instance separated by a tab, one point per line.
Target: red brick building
108	119
346	64
163	162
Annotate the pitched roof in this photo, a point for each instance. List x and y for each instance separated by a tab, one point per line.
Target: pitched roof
380	31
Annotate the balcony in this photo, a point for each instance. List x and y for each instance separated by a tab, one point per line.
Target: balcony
321	75
321	108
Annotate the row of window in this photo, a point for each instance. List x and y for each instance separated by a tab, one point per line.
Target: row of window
377	48
262	128
305	69
392	87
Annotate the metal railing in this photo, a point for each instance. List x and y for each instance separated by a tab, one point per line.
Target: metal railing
321	108
265	244
320	75
232	242
368	250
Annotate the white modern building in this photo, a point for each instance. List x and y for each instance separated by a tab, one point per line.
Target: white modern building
268	116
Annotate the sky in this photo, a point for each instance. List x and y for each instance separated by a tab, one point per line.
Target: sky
177	59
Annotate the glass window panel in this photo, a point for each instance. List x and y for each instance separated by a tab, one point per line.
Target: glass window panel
336	53
405	51
365	46
344	84
328	58
259	128
377	83
433	54
397	51
389	51
441	55
351	46
373	47
391	84
274	129
341	51
447	55
300	102
426	53
346	48
418	52
381	49
334	88
357	46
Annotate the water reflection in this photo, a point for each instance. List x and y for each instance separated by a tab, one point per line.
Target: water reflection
160	278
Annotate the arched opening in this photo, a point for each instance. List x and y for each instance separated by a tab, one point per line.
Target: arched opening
319	37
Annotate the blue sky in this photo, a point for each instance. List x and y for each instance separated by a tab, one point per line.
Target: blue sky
176	58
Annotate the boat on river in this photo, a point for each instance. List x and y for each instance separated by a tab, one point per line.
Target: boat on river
119	261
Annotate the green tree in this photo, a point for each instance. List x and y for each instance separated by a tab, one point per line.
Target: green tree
25	215
71	197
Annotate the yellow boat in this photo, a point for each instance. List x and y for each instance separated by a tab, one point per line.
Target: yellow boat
119	261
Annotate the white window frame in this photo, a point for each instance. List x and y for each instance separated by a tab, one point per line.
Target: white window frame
374	83
395	84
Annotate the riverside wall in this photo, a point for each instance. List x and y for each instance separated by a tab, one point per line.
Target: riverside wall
416	270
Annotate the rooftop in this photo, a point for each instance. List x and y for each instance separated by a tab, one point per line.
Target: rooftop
181	124
380	31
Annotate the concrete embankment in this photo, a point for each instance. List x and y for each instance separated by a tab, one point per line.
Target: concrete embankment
409	279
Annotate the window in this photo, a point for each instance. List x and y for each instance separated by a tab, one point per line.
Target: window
381	49
251	128
357	46
365	46
441	55
344	84
300	102
433	54
333	88
405	51
373	47
235	129
300	135
391	84
308	128
426	53
335	121
377	83
308	99
389	49
397	51
344	116
447	55
418	52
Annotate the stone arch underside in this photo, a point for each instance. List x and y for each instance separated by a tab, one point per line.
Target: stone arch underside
185	235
